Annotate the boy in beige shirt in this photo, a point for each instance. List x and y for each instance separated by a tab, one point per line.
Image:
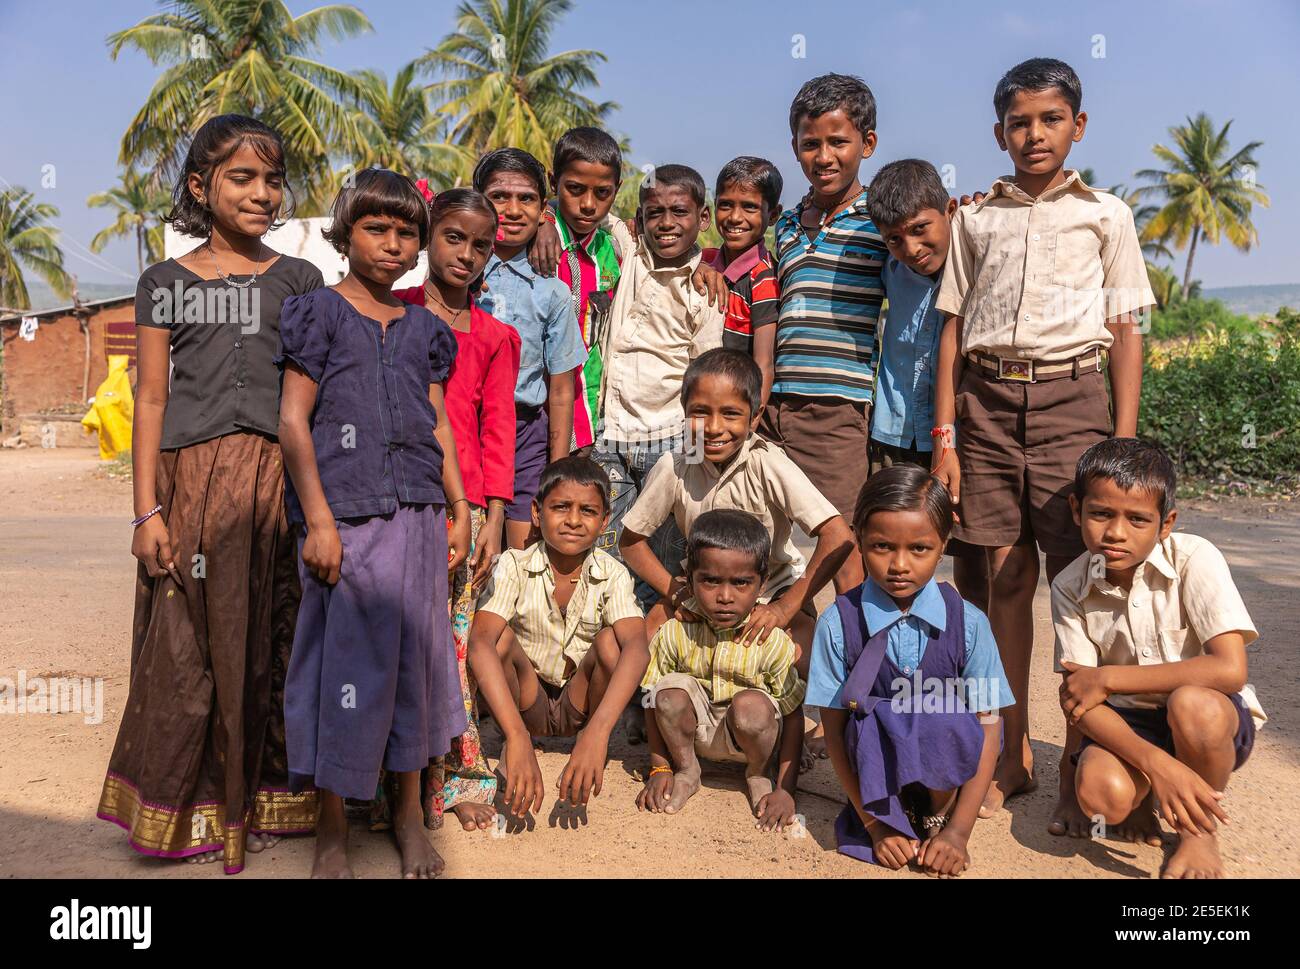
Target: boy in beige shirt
1043	276
1151	639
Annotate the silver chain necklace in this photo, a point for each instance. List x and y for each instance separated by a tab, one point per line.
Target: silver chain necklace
257	268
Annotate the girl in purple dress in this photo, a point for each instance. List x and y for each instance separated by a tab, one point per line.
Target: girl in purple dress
910	683
373	681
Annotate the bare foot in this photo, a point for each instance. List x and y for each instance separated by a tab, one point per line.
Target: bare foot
419	860
1009	779
1142	826
814	745
203	858
759	787
685	783
331	858
1197	856
1067	817
474	816
260	841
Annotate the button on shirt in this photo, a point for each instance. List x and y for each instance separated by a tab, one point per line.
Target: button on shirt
909	348
1037	278
724	667
985	683
540	310
521	591
373	423
658	325
1181	596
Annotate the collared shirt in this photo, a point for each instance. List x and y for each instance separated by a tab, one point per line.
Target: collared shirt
223	340
538	308
909	349
984	681
591	265
754	300
657	326
760	480
830	303
1181	597
372	426
522	592
724	667
1037	278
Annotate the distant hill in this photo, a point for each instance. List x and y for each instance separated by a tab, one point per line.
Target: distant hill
1253	300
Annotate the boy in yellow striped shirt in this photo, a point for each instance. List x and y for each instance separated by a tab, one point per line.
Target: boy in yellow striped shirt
710	695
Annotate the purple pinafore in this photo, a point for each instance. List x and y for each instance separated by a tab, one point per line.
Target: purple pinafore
891	748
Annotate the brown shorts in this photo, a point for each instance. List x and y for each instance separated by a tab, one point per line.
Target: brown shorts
827	438
882	455
1018	444
553	713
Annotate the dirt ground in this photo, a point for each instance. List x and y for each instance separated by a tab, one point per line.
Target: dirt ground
66	575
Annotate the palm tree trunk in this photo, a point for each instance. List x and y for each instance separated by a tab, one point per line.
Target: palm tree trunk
1191	254
139	247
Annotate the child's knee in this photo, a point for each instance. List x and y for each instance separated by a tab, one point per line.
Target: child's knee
673	707
1200	718
1103	790
1016	572
752	714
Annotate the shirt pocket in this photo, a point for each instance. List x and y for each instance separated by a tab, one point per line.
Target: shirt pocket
1172	643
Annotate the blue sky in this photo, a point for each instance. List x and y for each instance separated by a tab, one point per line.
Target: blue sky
698	84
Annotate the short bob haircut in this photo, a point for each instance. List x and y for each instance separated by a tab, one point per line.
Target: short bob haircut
835	92
573	470
1038	74
905	487
752	172
214	144
736	366
509	160
677	176
586	144
733	530
1132	465
901	189
376	191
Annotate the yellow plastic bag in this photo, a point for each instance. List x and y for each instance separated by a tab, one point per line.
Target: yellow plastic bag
110	413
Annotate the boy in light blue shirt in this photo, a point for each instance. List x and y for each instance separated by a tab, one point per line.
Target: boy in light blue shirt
911	208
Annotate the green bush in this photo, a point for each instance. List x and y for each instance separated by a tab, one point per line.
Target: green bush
1191	317
1208	404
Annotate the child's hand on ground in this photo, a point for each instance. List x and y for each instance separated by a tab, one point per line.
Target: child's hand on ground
544	254
893	848
458	536
775	811
585	771
486	552
656	793
945	854
711	284
524	785
1082	688
322	552
1187	802
152	545
762	619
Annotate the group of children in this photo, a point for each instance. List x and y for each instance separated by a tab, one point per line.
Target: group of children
564	476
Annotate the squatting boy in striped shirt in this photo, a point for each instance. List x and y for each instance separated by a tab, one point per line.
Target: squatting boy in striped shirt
829	259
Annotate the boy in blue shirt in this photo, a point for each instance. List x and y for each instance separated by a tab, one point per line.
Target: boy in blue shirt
911	209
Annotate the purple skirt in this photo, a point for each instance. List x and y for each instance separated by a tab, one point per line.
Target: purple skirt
372	680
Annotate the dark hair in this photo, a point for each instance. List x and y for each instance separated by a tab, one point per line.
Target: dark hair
680	176
573	470
757	173
832	92
903	188
728	528
509	160
1038	74
1132	465
736	366
905	487
587	145
212	147
459	200
375	191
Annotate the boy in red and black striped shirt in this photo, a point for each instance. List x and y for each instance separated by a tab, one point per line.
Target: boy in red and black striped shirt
747	199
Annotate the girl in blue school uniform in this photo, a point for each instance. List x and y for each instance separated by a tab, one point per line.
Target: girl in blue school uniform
909	680
373	681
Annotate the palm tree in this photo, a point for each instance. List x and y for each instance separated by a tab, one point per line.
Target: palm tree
1207	192
399	131
499	85
26	239
244	56
139	203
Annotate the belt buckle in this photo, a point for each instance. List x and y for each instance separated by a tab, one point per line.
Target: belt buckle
1017	371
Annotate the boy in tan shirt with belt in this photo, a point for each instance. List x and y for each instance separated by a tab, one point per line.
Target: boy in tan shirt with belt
1043	276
